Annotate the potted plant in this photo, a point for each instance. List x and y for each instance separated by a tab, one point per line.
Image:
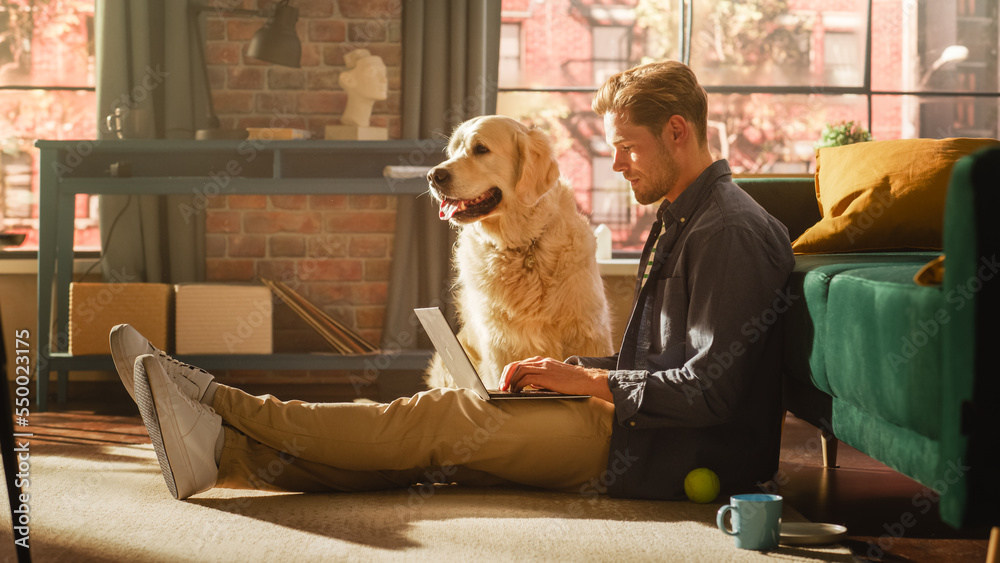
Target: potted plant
842	133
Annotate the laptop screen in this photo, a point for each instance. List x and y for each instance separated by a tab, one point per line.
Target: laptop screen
451	350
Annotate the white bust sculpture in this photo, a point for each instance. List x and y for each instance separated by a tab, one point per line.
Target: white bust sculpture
364	83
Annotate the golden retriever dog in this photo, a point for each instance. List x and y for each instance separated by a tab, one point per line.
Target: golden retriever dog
528	282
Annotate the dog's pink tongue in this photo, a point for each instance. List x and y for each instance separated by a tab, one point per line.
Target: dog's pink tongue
448	209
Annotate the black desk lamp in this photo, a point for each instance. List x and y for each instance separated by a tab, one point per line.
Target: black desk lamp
276	42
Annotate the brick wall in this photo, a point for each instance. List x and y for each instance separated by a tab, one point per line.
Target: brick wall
334	250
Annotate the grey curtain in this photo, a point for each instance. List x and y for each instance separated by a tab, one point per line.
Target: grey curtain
451	52
149	72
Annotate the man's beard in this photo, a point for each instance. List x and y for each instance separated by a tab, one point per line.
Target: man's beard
660	179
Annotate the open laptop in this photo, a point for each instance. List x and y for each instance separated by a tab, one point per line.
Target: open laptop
460	366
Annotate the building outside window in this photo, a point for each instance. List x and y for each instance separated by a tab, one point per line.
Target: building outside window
46	92
776	71
842	57
510	53
612	46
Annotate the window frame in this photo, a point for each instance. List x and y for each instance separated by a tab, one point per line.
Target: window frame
865	89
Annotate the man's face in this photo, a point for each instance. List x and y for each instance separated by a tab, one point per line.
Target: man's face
644	159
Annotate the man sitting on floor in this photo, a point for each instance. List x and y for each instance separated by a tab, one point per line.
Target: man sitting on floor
696	383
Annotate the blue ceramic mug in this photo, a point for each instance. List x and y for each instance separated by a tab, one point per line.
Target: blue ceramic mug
756	520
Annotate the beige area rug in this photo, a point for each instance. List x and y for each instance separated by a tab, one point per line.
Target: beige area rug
109	503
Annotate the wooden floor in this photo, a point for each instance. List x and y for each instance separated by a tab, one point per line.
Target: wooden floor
862	494
874	502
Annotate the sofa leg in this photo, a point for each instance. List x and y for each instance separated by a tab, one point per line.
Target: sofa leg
993	552
829	448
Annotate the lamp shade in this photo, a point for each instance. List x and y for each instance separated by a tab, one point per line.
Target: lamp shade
277	41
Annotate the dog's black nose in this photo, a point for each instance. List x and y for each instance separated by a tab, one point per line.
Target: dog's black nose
438	176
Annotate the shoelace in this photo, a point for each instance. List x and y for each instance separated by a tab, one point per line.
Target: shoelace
190	367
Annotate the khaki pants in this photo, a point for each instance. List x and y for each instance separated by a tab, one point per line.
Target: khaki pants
438	436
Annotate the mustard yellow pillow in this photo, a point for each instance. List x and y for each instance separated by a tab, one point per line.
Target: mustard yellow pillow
883	195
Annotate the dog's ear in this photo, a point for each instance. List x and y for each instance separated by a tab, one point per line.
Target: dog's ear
538	170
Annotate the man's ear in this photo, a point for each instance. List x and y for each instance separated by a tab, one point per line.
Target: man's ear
537	166
675	130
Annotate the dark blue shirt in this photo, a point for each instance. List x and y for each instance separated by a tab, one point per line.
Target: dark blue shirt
696	382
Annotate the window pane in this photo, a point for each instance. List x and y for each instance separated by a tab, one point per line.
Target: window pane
47	43
957	46
779	42
26	115
775	134
906	117
926	46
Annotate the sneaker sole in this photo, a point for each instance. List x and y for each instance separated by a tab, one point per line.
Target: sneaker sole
118	355
147	407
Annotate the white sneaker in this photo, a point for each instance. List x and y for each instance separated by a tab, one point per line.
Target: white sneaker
184	431
127	345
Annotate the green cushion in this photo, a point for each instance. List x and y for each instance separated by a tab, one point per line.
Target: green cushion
806	322
883	345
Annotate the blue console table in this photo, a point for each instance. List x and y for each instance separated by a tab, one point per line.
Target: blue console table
158	166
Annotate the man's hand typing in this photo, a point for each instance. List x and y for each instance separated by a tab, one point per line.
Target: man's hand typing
547	373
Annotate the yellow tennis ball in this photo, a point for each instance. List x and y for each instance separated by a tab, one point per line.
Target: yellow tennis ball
701	485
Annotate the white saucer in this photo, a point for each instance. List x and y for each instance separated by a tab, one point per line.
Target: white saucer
811	533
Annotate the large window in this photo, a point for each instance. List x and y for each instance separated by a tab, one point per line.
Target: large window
776	71
46	92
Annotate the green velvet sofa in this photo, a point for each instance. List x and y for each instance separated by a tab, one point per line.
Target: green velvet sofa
903	372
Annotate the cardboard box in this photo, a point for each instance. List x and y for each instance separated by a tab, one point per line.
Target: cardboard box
223	319
95	308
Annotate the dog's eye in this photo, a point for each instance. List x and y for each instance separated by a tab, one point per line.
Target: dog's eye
480	149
